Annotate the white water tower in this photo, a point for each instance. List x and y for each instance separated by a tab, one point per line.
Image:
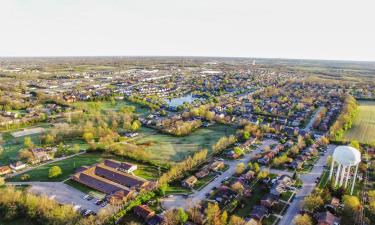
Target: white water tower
345	158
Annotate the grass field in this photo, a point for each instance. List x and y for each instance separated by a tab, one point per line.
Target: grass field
363	129
107	105
164	147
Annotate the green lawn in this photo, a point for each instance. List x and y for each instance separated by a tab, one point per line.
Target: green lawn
286	195
68	167
324	179
13	145
107	105
270	220
363	128
204	181
177	189
257	194
165	148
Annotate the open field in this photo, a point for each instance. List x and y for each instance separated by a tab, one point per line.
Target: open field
164	147
363	128
13	145
69	166
107	105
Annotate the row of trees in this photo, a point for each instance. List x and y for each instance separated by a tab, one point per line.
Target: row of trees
182	128
18	204
152	103
211	216
345	119
179	169
223	143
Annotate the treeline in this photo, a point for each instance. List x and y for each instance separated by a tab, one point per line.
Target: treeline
223	143
345	119
180	169
151	102
41	210
181	128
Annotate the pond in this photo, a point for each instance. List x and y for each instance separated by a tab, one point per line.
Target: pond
175	102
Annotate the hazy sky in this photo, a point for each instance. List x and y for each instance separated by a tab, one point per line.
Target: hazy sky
320	29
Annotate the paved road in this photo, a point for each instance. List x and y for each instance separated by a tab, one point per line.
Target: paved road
177	201
308	186
311	122
43	164
61	192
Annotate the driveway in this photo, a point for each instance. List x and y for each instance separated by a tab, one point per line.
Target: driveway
308	186
177	201
62	193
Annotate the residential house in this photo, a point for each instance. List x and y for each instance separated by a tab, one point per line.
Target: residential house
269	200
5	170
258	212
281	185
189	182
327	218
120	196
217	165
18	165
144	212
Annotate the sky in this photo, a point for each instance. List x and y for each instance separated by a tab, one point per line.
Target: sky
307	29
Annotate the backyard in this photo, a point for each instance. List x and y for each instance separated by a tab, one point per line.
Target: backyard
364	123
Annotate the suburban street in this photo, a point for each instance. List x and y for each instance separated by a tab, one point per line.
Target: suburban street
177	201
311	122
308	186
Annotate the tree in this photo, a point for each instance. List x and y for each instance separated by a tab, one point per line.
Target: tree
238	187
256	167
183	216
135	125
26	155
28	142
54	171
352	205
355	144
1	150
312	202
238	150
213	214
76	148
263	174
304	219
240	168
236	220
224	218
163	188
88	136
246	135
324	140
49	139
25	177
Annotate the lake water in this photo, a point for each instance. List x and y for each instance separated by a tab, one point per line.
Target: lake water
175	102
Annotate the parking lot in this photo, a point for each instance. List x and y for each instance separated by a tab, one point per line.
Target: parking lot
62	193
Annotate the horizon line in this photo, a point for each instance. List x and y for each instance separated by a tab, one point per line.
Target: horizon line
187	56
